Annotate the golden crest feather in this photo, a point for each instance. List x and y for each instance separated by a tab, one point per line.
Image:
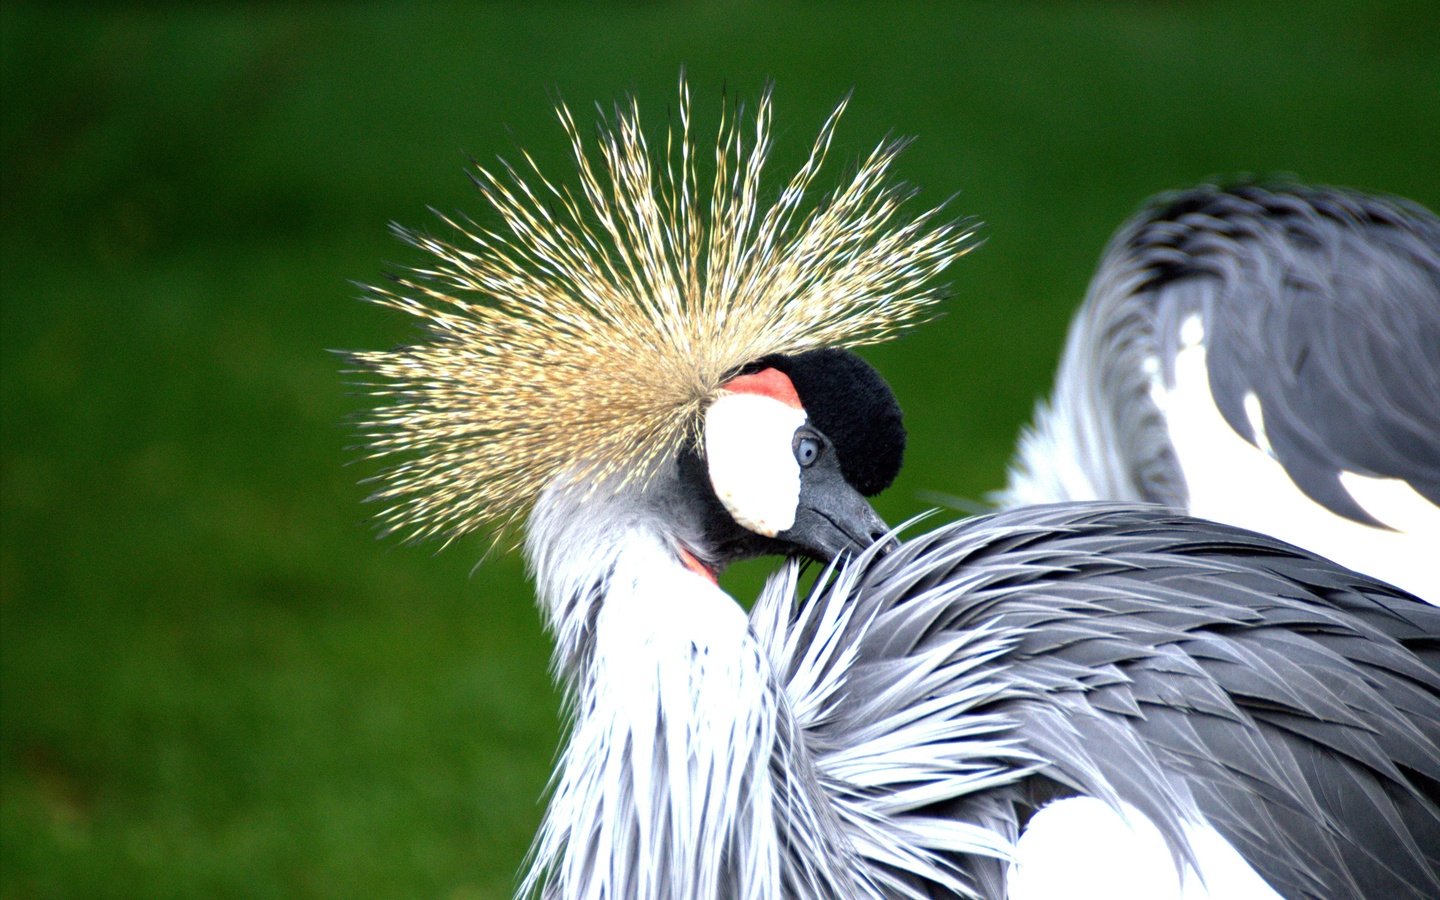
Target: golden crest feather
587	332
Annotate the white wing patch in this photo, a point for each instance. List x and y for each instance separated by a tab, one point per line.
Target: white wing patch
1192	331
1397	504
1256	416
1082	849
1231	480
752	464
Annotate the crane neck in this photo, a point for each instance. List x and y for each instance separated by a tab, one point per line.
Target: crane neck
670	782
590	550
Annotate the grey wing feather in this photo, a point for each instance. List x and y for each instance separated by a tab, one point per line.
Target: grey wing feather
1184	667
1324	303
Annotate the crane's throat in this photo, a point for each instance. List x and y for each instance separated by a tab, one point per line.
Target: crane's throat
666	775
689	561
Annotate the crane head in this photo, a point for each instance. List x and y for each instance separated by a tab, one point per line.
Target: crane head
591	333
791	448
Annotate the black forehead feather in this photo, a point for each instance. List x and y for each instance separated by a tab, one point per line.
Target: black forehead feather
851	404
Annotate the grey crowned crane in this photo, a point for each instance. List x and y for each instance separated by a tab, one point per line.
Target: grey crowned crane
1263	356
648	370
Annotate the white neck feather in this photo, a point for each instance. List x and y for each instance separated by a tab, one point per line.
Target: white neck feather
666	787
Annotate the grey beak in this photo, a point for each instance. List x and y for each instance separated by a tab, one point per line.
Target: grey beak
833	518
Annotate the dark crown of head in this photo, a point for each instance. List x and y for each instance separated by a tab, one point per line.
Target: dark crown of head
848	401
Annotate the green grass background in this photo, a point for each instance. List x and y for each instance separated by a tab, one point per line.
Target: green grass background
214	681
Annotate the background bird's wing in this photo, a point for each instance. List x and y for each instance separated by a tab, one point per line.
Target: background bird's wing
1322	303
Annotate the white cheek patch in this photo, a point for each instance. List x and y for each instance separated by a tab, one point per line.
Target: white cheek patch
748	449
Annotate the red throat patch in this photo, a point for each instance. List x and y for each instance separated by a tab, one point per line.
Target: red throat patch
771	383
696	566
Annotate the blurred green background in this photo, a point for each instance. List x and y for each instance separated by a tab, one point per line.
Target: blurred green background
215	681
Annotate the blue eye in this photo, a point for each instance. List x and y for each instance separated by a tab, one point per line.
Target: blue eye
807	450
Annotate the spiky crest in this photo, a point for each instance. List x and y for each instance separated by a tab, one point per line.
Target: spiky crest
588	330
